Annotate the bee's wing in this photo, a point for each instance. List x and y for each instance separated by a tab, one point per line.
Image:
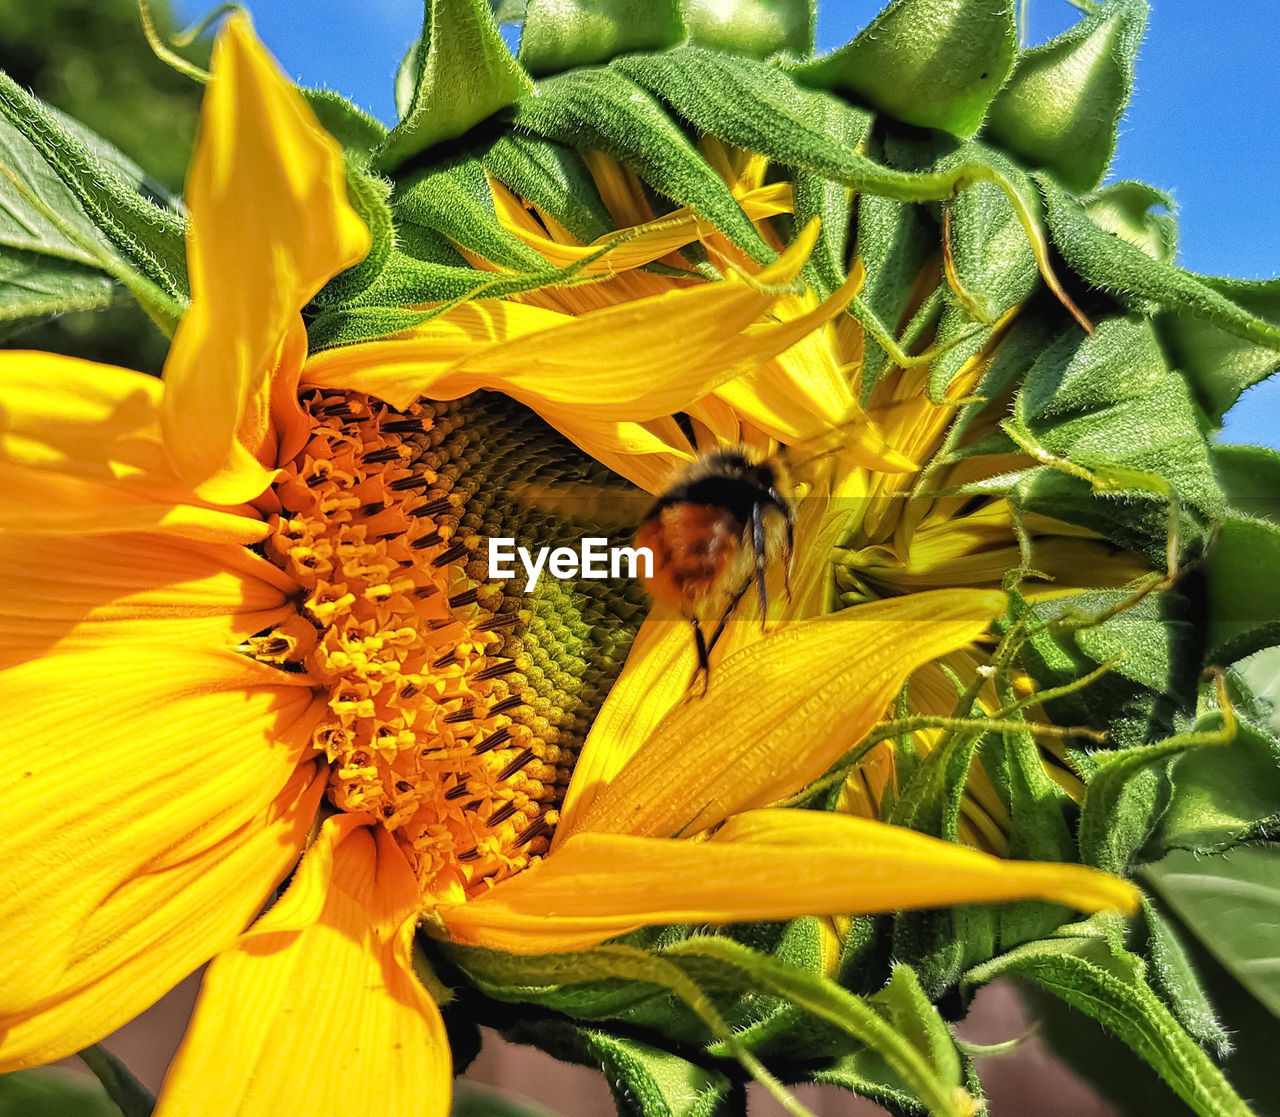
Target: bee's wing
616	508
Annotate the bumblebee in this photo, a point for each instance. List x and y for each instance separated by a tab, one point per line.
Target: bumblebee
713	534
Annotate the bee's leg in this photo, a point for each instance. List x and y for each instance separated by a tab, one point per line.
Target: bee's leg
759	547
789	518
703	670
786	557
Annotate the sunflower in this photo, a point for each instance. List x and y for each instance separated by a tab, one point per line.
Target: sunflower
252	621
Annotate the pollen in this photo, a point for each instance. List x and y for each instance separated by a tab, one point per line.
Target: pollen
449	714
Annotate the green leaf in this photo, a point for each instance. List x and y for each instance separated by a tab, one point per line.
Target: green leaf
603	109
934	63
35	287
462	74
1243	590
1125	209
124	1089
561	35
1106	983
1220	362
753	28
53	1092
1174	977
1231	901
1223	796
1061	106
114	201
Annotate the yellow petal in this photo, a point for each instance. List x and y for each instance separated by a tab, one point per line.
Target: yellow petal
80	453
635	246
640	360
401	369
655	677
325	1019
763	865
123	768
270	223
779	713
110	592
122	945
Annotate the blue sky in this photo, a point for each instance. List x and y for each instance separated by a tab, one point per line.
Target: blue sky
1203	123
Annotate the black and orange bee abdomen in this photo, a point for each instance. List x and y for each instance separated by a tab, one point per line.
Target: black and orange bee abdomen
693	546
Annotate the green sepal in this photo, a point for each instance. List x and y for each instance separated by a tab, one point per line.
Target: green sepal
899	1023
1250	479
1119	434
933	63
1220	363
1150	682
130	1095
562	35
906	1007
605	110
1061	106
553	177
1039	828
894	242
645	1081
1106	982
350	125
751	28
453	199
53	1092
1125	209
865	1074
1223	796
1231	902
1122	802
815	195
1243	592
462	73
1173	976
1128	273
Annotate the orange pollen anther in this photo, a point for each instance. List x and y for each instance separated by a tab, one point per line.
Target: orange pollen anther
431	725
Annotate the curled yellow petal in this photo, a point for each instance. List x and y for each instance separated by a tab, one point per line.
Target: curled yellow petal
270	223
762	865
777	714
327	1017
638	360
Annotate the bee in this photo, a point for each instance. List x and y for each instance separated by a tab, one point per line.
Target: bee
713	534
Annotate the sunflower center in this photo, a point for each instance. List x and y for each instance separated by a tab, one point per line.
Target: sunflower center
439	721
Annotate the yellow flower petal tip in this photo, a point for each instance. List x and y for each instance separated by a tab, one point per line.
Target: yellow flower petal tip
270	223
